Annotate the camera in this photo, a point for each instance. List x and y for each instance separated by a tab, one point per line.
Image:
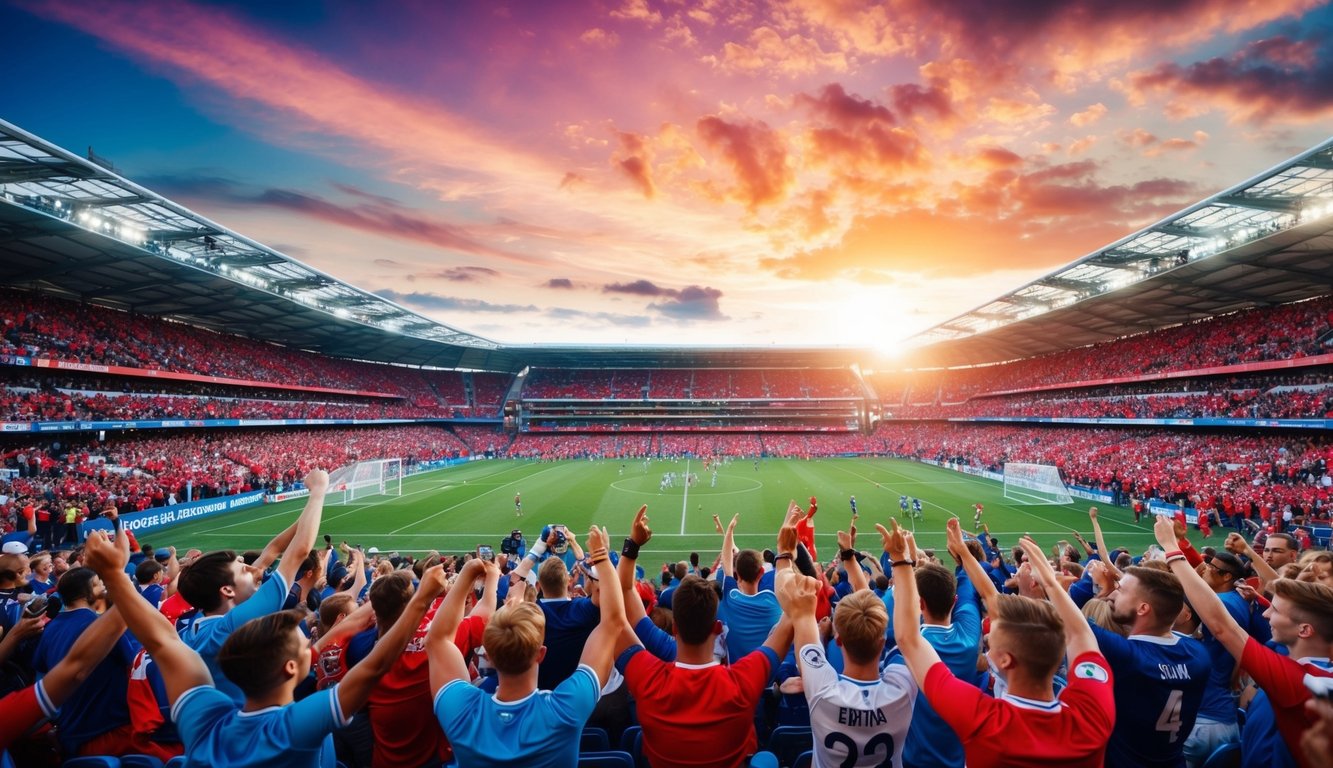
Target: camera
42	605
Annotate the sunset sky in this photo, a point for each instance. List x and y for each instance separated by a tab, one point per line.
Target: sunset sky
658	171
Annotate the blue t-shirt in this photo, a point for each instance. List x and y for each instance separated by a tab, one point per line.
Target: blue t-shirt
215	732
749	619
99	704
1219	703
1159	685
654	640
568	624
541	730
931	742
207	633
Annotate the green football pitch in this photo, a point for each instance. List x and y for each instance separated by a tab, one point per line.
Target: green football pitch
455	509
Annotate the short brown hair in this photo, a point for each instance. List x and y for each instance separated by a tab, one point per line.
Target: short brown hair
1161	590
253	657
1311	603
1037	632
937	587
333	605
553	577
694	609
513	637
860	621
389	596
749	565
201	582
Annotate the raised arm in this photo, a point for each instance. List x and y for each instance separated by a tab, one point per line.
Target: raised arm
356	561
1236	544
600	649
1206	604
1103	553
305	531
847	554
919	654
798	598
446	661
361	618
181	667
639	535
1078	636
355	688
728	554
975	573
485	607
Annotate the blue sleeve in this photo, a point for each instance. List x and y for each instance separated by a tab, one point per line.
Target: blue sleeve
884	564
654	640
622	661
576	696
966	612
270	597
1117	650
197	711
890	639
127	647
1083	590
456	702
313	718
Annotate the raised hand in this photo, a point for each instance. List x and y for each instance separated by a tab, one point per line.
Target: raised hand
432	580
597	538
895	543
797	596
1179	529
787	538
104	555
639	531
793	512
1092	513
1236	544
1164	528
953	537
847	540
317	481
1040	566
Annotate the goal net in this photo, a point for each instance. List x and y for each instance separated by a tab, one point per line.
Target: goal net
380	477
1034	484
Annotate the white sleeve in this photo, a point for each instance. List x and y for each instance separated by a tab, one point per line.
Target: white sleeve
817	675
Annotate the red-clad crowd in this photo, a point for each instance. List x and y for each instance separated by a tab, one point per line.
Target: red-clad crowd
696	384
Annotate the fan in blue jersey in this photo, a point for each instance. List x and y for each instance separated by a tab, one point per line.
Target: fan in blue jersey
1160	675
266	658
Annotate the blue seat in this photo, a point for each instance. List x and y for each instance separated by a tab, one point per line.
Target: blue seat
628	738
99	761
176	762
763	759
789	741
804	760
594	739
1225	756
606	759
140	761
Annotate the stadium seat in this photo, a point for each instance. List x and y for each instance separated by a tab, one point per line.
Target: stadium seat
176	762
607	759
1240	716
1225	756
594	739
100	761
804	760
629	737
763	759
140	761
789	741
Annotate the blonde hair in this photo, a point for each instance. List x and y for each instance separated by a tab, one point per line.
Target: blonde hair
553	577
513	637
860	621
1100	612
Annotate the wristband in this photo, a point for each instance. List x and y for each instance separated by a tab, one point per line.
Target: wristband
783	556
597	556
847	554
630	549
1177	558
538	550
1174	553
897	563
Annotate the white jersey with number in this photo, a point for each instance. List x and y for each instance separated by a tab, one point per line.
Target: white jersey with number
856	722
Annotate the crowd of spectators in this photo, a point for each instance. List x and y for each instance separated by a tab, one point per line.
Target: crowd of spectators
133	473
695	384
1307	396
1287	332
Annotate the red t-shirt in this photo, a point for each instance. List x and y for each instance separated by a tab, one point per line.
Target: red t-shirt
1072	731
697	715
1283	679
402	712
20	711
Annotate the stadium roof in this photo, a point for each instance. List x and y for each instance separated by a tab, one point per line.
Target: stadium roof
74	227
1266	241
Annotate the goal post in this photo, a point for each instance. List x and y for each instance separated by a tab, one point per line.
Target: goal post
1034	484
377	477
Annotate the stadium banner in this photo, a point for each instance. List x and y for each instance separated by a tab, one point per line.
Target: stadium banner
93	426
1162	508
1078	491
274	498
154	373
159	517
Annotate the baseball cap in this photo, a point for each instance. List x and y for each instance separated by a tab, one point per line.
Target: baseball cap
373	551
14	548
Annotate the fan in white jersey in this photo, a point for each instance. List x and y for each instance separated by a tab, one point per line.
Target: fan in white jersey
859	717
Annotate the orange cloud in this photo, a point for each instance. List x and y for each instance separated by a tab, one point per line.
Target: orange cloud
1089	116
769	52
756	155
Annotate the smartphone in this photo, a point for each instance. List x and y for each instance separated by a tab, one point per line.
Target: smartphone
485	552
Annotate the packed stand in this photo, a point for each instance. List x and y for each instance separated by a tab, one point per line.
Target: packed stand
981	653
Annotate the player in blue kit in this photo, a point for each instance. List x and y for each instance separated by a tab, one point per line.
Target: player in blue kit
1160	675
902	503
266	658
916	508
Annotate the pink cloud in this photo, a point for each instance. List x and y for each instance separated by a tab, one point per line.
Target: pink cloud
756	155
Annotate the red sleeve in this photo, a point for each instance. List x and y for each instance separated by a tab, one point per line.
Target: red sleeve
753	673
1281	677
964	707
1191	554
468	636
1091	692
19	711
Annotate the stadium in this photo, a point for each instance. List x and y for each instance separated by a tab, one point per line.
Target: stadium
173	380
